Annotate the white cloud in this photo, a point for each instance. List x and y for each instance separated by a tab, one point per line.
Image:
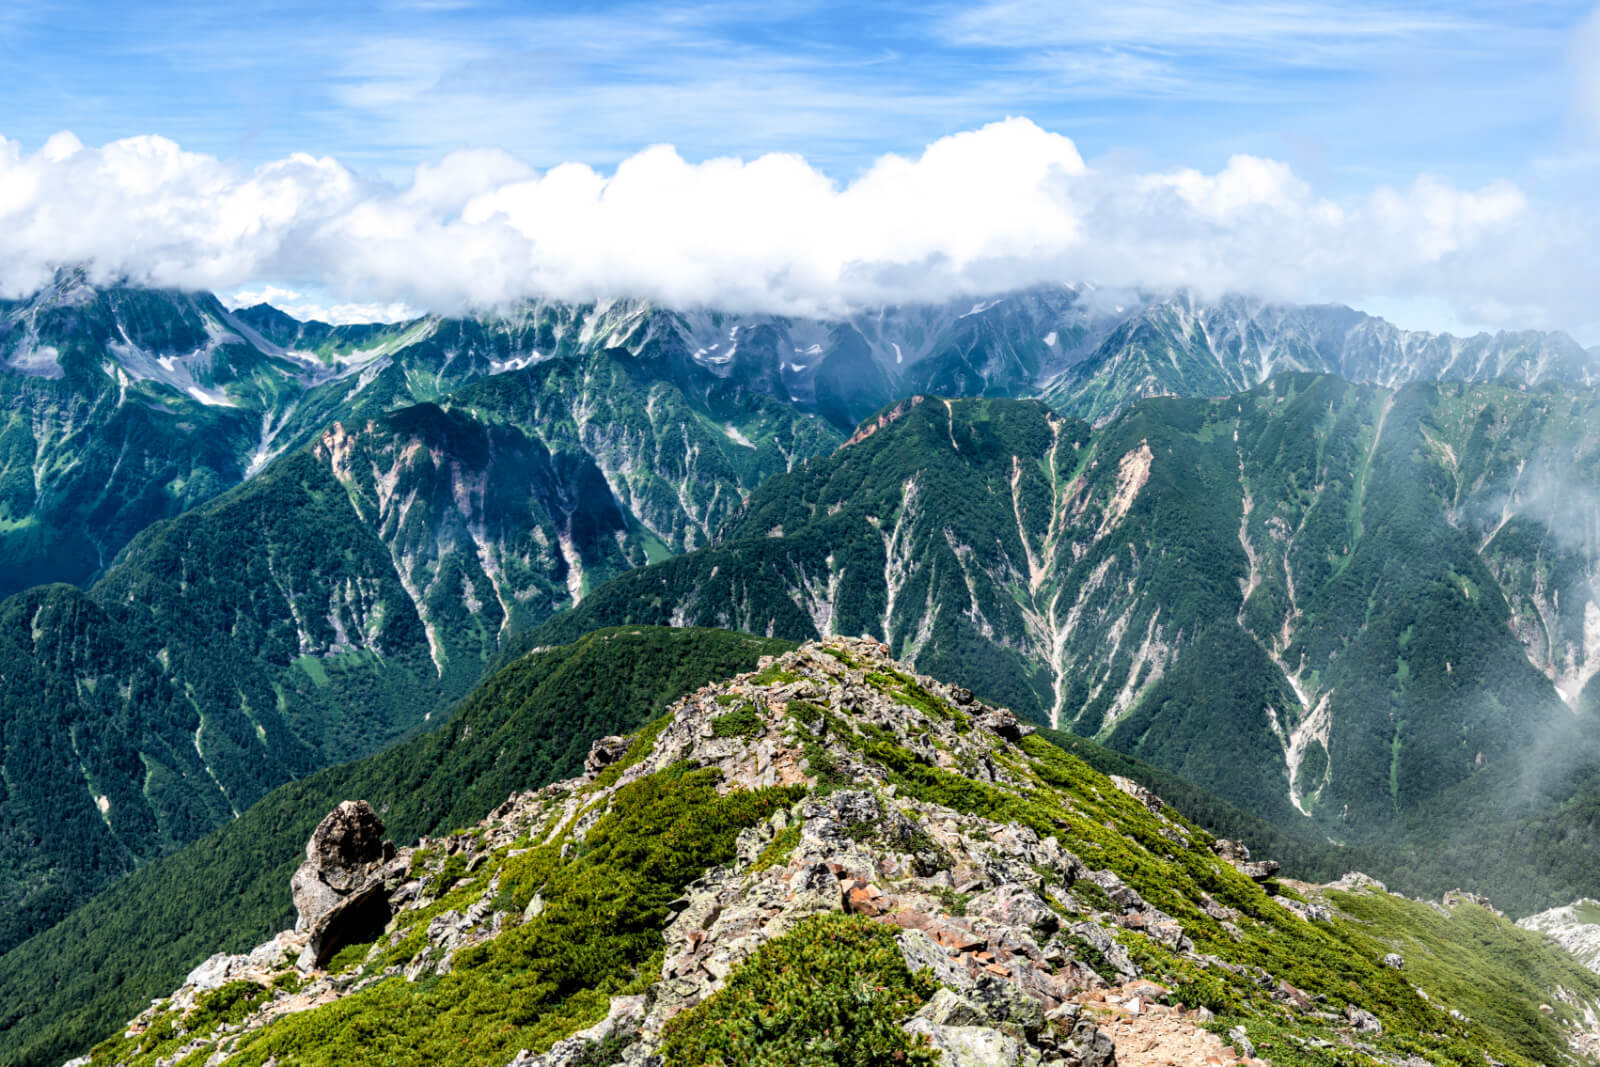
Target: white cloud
1006	205
1311	31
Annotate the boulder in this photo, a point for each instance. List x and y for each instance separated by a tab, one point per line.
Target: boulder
1138	792
1088	1046
1232	851
1308	910
948	1008
263	960
919	951
852	806
1124	896
214	973
1260	870
1241	1043
1100	940
344	850
812	890
604	752
339	892
1002	722
621	1023
346	843
1006	1006
1364	1021
1015	906
974	1046
1457	897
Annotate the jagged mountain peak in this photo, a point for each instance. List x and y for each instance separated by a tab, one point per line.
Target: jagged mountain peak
828	860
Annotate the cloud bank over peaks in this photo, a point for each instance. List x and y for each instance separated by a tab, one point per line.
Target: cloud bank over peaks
1006	205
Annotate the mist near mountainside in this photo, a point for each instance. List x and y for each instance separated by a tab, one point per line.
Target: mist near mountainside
1322	601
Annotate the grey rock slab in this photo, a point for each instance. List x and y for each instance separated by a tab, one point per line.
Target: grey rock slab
974	1046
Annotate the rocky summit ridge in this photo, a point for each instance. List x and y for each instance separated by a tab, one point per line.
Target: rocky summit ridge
829	860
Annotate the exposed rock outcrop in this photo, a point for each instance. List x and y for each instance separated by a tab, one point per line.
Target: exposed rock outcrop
1575	927
340	892
604	752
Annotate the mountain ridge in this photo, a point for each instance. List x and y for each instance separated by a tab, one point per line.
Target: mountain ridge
937	879
216	393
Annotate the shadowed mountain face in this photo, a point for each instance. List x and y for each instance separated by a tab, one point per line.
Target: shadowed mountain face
1320	600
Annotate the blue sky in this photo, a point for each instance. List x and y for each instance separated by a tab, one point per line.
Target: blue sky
1347	93
1352	97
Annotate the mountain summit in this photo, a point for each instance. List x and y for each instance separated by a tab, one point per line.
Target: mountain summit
832	860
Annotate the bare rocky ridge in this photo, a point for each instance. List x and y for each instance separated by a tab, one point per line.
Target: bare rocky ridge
1041	956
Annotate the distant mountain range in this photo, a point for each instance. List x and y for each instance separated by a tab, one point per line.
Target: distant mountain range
284	544
128	406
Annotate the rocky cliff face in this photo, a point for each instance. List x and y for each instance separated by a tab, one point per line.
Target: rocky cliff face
830	860
1575	927
1180	345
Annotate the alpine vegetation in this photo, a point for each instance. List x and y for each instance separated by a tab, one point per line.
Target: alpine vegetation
833	859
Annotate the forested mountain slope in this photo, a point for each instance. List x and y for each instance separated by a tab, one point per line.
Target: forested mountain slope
1322	601
322	608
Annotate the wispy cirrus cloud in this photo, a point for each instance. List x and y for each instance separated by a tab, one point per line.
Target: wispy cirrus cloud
385	84
1279	32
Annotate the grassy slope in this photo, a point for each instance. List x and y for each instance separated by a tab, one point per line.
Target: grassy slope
1316	861
528	724
1475	961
